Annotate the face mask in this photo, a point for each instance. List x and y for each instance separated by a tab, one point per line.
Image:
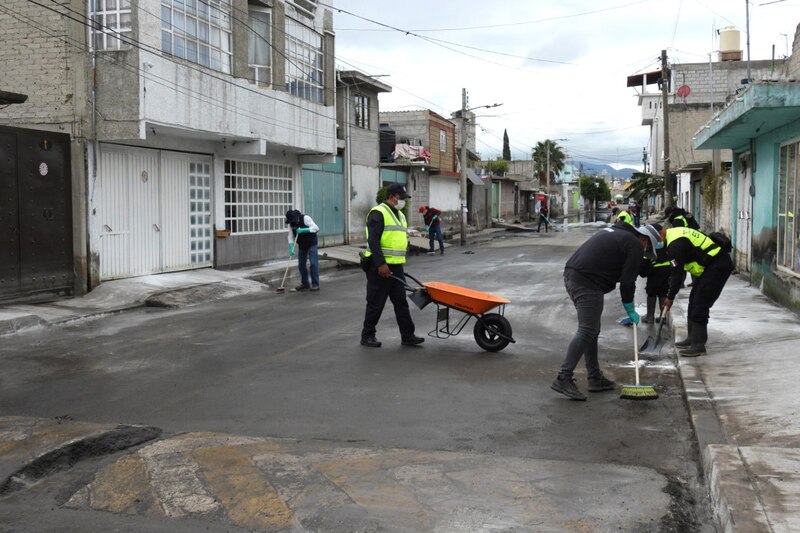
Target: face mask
400	205
659	245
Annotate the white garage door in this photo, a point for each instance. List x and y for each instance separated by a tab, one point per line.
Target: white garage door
155	212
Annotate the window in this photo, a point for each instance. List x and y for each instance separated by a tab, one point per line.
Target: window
442	141
200	243
198	31
259	48
110	19
257	196
304	62
788	191
362	111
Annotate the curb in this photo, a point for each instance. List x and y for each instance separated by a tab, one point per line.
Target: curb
734	497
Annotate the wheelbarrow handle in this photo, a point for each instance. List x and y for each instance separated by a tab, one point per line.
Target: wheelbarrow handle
409	287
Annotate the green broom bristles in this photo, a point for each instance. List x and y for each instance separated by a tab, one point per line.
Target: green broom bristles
638	392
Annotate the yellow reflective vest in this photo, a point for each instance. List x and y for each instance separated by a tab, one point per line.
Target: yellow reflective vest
705	247
624	216
394	239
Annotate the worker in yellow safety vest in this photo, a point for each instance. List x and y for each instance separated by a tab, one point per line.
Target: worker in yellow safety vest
387	241
692	251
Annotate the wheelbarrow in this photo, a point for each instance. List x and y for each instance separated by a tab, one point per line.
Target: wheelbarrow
492	331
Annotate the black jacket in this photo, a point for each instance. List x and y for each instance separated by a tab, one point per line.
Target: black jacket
610	256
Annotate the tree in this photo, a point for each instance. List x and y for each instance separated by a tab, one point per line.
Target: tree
540	158
498	167
594	189
506	146
644	186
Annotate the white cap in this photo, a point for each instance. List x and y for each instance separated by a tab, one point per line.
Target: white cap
651	233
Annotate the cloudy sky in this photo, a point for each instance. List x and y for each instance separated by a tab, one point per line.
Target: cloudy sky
559	67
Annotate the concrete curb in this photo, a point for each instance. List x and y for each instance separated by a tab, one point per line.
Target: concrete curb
734	496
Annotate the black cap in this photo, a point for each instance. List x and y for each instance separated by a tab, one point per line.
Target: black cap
397	188
668	211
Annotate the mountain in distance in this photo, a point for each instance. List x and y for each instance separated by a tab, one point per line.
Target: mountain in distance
600	169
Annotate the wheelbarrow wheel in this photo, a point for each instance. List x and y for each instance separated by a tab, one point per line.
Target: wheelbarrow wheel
486	332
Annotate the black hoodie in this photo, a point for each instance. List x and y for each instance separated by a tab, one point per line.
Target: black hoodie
610	256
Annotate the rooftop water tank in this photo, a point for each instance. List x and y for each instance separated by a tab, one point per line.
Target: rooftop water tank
729	47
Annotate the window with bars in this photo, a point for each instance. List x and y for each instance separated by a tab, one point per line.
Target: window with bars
361	105
257	196
788	203
198	31
304	61
111	19
259	47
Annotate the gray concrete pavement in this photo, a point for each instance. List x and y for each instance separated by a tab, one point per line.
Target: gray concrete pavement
741	396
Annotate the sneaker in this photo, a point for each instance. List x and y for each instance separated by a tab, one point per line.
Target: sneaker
300	288
431	252
567	387
601	384
315	287
370	342
413	340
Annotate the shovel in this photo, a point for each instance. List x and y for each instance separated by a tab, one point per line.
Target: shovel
652	346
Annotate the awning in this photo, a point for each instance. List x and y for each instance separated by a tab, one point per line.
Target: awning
645	78
474	178
759	109
7	98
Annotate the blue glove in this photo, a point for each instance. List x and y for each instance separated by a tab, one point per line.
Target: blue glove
427	228
291	249
631	310
303	230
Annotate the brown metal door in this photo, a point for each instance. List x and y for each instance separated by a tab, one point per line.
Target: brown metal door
9	216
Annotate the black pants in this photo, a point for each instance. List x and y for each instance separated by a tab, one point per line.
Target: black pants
378	289
707	287
658	281
542	219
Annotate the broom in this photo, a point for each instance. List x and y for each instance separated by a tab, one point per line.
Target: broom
637	392
282	289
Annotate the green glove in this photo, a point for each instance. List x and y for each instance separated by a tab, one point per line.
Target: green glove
303	230
291	249
631	310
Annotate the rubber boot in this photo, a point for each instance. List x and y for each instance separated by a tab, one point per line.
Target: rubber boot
649	318
699	337
685	343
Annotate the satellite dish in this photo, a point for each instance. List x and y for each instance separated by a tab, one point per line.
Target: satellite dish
684	91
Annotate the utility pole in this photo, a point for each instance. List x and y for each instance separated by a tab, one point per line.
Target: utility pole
668	188
463	167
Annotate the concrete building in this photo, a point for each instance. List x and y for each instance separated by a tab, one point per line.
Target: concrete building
358	142
761	126
695	92
189	123
426	157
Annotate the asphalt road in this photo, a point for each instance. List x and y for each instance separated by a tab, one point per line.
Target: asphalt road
288	368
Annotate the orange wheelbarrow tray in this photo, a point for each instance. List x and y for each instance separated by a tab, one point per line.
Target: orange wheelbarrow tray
492	331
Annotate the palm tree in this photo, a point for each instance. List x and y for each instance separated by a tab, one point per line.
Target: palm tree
544	151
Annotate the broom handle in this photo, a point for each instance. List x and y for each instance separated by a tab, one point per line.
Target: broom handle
288	263
636	354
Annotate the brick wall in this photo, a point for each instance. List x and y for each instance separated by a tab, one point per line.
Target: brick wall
38	61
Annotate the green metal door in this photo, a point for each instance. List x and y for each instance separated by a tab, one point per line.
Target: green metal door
323	200
495	199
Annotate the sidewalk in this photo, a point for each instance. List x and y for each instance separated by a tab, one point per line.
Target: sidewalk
742	397
744	406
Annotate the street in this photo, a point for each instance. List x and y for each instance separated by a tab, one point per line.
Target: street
274	418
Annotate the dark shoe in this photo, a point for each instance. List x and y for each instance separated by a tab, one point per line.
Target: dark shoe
441	252
601	384
693	351
567	387
370	342
648	319
315	287
685	343
413	341
300	288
